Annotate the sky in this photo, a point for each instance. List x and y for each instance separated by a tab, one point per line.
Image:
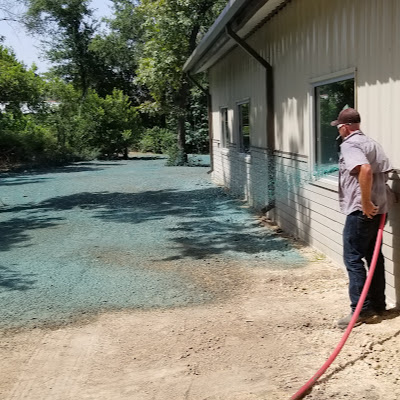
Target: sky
27	48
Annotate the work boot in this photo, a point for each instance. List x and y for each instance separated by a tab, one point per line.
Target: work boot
363	317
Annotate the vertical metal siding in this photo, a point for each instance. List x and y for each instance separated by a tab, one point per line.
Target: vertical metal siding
312	38
235	79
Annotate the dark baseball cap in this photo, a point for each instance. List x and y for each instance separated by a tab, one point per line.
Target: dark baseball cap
347	116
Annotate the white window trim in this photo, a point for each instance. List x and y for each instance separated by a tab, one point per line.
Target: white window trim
333	77
225	145
350	73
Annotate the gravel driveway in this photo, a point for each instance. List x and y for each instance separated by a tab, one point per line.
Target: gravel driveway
100	236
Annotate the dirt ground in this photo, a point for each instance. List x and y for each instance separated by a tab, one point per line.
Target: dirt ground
270	331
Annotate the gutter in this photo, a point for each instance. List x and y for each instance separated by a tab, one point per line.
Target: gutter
269	80
270	110
227	14
244	16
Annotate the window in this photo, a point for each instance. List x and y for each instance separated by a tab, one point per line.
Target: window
225	136
244	127
330	99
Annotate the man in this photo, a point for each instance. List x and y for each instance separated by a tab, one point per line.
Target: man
363	197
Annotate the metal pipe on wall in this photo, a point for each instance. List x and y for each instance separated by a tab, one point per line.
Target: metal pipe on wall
270	111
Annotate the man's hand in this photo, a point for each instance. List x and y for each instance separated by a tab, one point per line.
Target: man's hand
370	209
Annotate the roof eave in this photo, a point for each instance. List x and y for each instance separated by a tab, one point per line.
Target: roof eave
216	43
217	29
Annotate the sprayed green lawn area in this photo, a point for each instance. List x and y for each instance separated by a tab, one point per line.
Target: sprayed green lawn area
92	236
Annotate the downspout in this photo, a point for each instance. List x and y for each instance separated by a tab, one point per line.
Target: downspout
270	113
210	125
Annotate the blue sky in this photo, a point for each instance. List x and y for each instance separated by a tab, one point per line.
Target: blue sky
27	48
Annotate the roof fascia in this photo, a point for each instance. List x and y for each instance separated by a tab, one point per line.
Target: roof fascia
217	29
243	16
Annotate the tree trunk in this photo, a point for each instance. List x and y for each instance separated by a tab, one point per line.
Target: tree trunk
182	139
182	98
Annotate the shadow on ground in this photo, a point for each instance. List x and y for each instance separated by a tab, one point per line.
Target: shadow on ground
22	180
205	221
13	280
15	231
22	175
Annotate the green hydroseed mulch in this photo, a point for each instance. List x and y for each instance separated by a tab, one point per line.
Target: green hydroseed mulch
94	236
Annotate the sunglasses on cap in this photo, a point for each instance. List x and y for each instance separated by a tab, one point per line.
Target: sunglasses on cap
340	125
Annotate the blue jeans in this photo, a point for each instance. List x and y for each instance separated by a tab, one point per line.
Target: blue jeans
359	236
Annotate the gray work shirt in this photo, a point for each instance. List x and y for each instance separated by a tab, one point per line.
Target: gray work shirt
358	149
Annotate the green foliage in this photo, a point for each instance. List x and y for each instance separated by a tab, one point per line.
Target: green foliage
21	94
172	31
176	156
197	135
115	67
197	141
157	140
102	80
77	127
71	28
17	84
119	48
112	124
107	126
23	139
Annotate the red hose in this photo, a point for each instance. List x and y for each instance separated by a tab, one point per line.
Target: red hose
303	391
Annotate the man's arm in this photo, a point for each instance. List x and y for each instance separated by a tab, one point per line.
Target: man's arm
365	180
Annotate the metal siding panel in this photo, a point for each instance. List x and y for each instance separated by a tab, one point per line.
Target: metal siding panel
312	38
379	78
248	77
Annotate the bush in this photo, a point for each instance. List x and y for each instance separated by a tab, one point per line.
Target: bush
157	140
77	127
175	156
197	141
93	126
24	139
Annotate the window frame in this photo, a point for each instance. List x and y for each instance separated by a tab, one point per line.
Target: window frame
225	131
240	136
314	83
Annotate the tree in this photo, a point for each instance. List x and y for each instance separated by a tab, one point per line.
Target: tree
172	30
71	27
118	50
113	124
92	126
21	94
18	84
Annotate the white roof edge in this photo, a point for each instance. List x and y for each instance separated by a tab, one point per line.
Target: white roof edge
216	28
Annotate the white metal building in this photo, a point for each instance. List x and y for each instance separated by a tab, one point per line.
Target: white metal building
279	70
